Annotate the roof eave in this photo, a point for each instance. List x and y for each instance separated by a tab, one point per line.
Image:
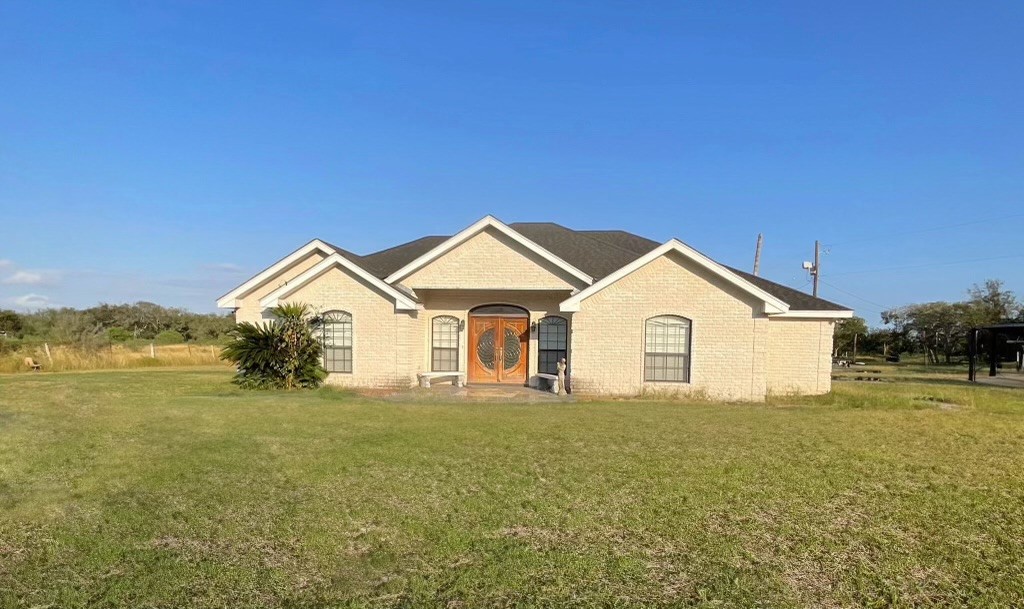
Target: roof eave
230	300
812	314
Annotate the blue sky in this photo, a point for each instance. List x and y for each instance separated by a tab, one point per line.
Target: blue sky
166	151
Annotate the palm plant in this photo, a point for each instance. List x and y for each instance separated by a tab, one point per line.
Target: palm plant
284	353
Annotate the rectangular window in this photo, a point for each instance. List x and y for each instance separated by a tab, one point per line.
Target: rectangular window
338	359
667	350
337	345
552	343
444	356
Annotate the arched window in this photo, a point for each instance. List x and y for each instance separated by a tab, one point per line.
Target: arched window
667	349
444	343
337	331
553	340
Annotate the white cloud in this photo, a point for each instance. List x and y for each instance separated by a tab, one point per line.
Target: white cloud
32	278
225	267
32	302
4	263
24	278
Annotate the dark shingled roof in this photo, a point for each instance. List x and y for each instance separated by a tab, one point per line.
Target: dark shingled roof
595	252
385	262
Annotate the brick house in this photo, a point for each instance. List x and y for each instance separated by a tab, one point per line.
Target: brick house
503	303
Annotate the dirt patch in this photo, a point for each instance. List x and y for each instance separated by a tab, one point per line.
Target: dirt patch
938	402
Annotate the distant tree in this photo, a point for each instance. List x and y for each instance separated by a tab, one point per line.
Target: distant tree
845	331
993	303
877	340
141	320
10	323
283	354
937	328
899	330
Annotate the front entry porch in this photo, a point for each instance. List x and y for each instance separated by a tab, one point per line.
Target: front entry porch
495	337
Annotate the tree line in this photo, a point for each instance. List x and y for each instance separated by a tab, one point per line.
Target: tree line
936	329
114	323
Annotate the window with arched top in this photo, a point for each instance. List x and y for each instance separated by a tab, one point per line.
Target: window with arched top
552	343
444	344
667	349
337	341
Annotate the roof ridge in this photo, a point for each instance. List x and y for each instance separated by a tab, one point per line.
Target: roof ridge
340	250
395	247
606	243
627	233
591	238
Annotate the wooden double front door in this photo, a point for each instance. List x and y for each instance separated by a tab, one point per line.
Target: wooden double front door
498	349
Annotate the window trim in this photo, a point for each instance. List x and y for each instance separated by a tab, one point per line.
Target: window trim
350	347
688	354
458	342
541	350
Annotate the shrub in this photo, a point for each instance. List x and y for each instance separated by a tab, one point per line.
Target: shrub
169	337
280	354
118	335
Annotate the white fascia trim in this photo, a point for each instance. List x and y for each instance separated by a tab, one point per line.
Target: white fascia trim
476	227
772	305
402	301
845	314
228	301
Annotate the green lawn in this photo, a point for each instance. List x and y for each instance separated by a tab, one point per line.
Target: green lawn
172	488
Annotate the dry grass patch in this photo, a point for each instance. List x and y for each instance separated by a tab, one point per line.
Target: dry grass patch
66	359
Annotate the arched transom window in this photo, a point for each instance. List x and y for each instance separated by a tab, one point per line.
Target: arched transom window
667	349
337	331
444	343
552	342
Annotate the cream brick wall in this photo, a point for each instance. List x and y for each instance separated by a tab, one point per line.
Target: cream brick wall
728	333
538	303
249	304
800	356
491	261
384	345
737	353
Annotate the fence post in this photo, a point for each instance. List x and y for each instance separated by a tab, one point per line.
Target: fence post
46	347
152	351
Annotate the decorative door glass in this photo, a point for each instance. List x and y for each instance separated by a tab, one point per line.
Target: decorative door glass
485	351
512	350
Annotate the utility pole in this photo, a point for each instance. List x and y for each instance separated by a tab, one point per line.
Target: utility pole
816	270
757	253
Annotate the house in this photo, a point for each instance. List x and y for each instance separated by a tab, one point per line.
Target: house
502	303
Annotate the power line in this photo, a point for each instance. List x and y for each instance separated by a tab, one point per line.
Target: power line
881	307
929	265
924	230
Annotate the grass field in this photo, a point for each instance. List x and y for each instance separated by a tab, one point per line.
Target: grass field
172	488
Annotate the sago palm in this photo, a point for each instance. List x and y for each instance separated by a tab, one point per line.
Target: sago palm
282	353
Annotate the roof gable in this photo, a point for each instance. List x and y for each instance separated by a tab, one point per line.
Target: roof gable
771	303
403	302
487	222
491	260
